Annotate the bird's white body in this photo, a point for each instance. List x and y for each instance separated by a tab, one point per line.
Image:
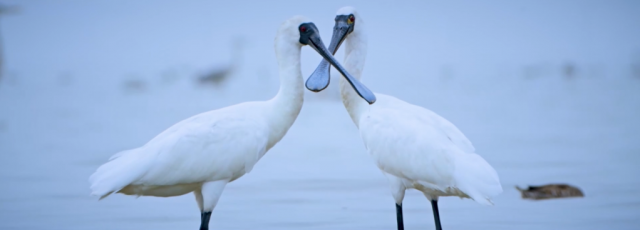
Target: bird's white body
205	152
418	149
217	145
413	146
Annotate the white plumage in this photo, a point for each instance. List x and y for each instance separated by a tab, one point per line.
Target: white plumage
413	146
205	152
425	151
217	145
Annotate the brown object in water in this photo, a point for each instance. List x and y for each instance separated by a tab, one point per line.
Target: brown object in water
550	191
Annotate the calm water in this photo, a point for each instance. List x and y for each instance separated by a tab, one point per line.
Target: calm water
502	81
319	176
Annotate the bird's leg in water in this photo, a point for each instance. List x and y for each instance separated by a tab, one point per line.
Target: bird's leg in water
399	216
436	214
210	191
205	216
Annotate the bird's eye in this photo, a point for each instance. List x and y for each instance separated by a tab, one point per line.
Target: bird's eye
352	18
303	29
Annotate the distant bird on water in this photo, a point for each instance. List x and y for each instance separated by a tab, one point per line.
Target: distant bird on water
5	10
550	191
221	73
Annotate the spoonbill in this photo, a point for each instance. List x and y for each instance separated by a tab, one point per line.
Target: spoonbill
413	146
205	152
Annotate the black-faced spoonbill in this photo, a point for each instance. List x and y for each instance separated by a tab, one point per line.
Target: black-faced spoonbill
413	146
205	152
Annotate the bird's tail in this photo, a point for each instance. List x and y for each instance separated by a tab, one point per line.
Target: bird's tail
122	169
476	178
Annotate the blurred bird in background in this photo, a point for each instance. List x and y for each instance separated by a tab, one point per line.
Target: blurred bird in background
221	72
4	10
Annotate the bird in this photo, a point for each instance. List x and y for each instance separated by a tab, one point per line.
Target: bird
221	73
550	191
414	147
205	152
5	10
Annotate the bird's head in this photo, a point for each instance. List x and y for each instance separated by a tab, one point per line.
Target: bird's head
345	24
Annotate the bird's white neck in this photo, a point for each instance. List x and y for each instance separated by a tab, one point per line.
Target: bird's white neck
355	54
286	105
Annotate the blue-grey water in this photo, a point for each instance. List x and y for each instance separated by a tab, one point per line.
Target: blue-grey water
548	92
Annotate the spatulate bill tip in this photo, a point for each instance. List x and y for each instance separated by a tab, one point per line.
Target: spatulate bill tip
316	85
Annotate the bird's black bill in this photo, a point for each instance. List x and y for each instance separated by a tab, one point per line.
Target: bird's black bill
319	80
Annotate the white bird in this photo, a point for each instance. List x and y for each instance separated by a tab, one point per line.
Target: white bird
413	146
205	152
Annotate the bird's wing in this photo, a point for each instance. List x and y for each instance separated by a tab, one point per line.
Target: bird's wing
450	130
407	145
416	144
472	174
429	117
220	144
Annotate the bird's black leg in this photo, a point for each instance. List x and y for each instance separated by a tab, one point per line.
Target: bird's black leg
436	214
205	216
399	217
